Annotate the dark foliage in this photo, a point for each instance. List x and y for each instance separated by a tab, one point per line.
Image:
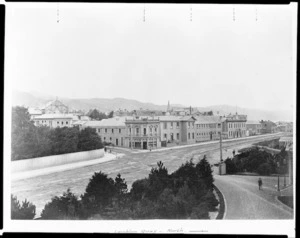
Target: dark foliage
26	211
66	206
29	141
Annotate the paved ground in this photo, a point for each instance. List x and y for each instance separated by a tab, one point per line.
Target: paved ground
245	201
132	166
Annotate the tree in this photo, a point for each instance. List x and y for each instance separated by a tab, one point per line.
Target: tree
26	211
204	171
111	114
88	139
66	206
121	190
96	115
230	166
98	193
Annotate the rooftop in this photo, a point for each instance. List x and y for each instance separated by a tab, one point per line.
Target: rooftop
207	119
253	122
54	116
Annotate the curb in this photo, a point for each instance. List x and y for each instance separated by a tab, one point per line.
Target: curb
221	213
284	205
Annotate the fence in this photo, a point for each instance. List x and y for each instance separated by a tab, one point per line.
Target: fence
55	160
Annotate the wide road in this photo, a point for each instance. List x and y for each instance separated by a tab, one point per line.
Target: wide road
243	199
39	190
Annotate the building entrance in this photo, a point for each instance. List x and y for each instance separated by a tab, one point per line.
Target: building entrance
145	145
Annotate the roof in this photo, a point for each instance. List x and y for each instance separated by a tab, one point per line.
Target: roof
34	111
252	122
79	123
207	119
175	118
54	116
115	121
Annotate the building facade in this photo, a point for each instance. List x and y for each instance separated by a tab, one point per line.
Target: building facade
142	133
234	126
267	127
253	128
177	129
208	128
53	120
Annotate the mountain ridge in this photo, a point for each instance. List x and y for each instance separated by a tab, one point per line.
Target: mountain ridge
30	99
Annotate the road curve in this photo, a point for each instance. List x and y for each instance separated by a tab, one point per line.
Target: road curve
243	200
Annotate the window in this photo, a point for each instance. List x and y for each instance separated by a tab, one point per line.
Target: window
58	122
165	136
105	130
145	131
110	138
165	125
120	131
171	125
129	130
66	122
177	136
99	130
112	130
137	130
104	138
155	129
189	136
62	122
193	135
177	124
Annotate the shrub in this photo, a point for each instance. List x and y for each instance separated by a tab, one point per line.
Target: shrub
230	166
66	206
24	212
264	169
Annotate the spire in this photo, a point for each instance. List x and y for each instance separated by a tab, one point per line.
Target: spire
168	106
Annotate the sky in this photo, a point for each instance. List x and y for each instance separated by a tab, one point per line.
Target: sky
197	55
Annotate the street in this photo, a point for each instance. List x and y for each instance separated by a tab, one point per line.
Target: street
132	166
244	200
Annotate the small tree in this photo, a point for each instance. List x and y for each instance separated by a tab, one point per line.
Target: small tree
111	114
89	140
98	193
24	212
66	206
204	171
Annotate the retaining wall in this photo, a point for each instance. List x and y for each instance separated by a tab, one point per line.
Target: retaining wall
54	160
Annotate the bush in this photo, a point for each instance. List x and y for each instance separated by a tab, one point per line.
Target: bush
24	212
264	169
230	166
66	206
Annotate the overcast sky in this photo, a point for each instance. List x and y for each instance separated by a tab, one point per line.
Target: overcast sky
108	50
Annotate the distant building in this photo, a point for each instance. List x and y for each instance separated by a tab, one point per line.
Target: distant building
253	128
112	130
33	112
234	125
142	132
268	127
208	128
178	129
54	120
55	107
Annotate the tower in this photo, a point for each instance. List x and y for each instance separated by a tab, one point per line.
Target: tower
168	109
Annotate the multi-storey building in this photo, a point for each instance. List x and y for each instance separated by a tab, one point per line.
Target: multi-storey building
208	128
179	129
267	127
142	132
55	107
111	130
234	125
54	120
253	128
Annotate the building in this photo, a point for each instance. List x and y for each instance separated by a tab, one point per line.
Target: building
234	125
178	129
33	112
253	128
142	132
267	127
208	128
55	107
112	130
54	120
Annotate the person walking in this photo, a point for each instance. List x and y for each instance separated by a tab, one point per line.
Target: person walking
260	184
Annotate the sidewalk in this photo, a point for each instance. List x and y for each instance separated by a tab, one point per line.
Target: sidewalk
135	151
33	173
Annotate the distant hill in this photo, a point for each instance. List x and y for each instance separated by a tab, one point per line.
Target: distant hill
34	99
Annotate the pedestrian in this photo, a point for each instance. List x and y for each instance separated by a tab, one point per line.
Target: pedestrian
260	184
105	149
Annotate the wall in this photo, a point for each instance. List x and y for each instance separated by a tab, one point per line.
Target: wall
54	160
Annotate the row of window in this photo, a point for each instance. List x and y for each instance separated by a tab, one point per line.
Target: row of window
171	125
236	125
206	133
232	133
112	130
198	126
50	122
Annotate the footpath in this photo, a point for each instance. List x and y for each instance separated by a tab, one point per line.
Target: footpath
33	173
135	151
